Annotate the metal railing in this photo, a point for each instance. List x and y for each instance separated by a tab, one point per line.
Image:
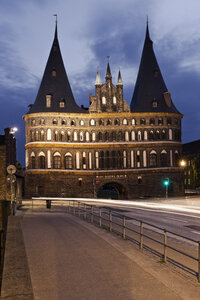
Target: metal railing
160	242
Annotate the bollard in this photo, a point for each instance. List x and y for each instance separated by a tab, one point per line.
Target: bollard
92	217
141	235
124	227
99	216
165	247
199	263
110	221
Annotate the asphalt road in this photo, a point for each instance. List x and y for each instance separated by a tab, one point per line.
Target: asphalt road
68	261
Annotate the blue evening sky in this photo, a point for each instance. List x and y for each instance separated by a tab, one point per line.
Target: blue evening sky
89	31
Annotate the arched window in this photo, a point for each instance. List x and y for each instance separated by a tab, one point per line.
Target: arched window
114	100
153	159
160	121
101	122
152	122
73	123
36	135
55	122
101	160
63	122
33	122
163	158
151	135
77	160
124	159
126	136
139	136
113	160
42	122
109	122
119	160
145	135
48	134
92	122
133	122
169	121
84	160
81	122
103	100
42	160
142	122
42	135
93	137
157	134
138	159
170	134
163	134
96	160
119	136
87	136
117	122
107	160
113	136
57	160
176	158
132	135
68	161
62	136
100	136
75	136
32	160
32	134
81	136
56	135
125	122
106	136
68	136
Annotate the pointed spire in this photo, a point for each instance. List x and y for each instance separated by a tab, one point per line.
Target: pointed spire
108	72
56	31
98	79
150	89
55	83
119	81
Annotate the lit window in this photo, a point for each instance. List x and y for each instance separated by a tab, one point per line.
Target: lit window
68	161
114	100
81	122
103	100
133	122
92	122
53	73
55	122
48	100
125	122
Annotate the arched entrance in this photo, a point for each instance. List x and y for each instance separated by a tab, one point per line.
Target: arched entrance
112	190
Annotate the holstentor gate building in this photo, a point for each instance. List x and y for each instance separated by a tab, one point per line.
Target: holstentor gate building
109	147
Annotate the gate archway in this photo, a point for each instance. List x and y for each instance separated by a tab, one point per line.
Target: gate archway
112	190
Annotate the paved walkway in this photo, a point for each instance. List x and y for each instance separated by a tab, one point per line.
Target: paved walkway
68	261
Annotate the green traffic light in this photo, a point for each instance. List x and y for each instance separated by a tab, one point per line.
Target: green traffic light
166	182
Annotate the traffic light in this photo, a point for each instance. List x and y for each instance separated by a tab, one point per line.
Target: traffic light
166	182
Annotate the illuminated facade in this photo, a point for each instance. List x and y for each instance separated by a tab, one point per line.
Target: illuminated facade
110	149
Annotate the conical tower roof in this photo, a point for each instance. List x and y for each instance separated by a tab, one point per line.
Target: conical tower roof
55	83
150	93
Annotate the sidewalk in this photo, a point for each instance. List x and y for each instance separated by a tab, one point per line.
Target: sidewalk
71	259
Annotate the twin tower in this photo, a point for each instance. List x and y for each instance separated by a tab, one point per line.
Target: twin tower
110	149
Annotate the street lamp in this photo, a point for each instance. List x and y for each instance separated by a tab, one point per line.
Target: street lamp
166	184
13	130
182	163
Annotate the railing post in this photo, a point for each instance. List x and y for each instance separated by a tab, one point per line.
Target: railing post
165	247
79	209
74	206
85	212
124	227
141	235
92	217
110	220
99	216
199	263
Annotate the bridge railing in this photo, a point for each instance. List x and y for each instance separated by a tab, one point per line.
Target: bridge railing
176	249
